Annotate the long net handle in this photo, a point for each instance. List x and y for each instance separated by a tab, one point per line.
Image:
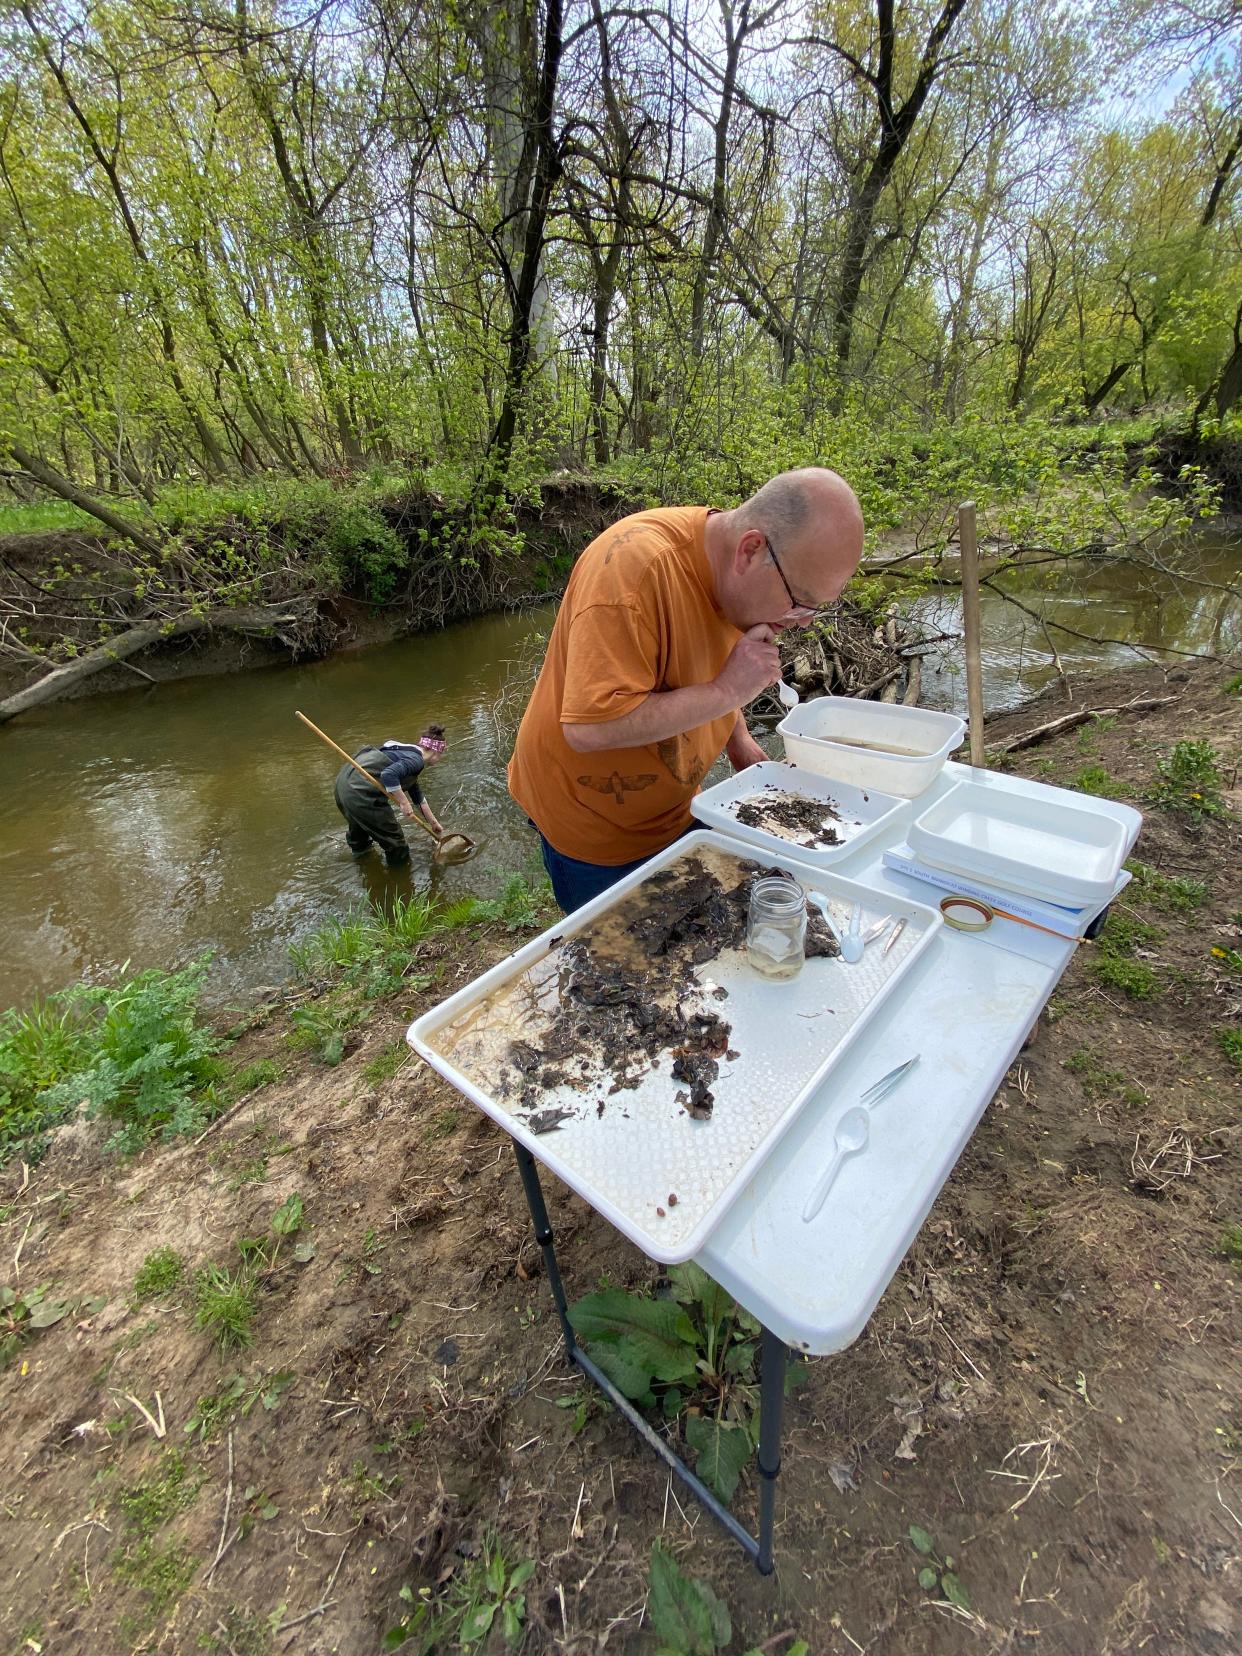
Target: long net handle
377	785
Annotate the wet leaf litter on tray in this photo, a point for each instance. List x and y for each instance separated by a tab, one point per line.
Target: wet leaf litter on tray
627	994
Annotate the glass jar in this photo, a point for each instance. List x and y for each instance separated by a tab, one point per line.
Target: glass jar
776	928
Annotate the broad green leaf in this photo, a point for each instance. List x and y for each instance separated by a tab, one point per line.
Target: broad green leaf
304	1252
921	1540
276	1387
953	1590
513	1611
495	1575
521	1574
476	1623
740	1357
654	1334
51	1311
686	1615
631	1376
288	1216
692	1286
722	1452
928	1579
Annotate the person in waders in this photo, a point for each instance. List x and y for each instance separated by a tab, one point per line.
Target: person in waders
371	819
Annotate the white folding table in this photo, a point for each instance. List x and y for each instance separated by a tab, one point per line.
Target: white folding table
965	1006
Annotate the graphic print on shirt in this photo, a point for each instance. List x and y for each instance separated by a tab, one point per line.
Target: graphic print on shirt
617	785
622	538
685	767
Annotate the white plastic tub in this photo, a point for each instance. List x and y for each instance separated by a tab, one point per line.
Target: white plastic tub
820	735
1068	854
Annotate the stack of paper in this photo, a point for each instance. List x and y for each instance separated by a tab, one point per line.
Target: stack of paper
1069	922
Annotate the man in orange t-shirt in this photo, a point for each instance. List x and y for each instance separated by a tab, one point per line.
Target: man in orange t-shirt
667	629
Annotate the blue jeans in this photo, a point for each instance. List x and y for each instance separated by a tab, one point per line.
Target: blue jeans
574	882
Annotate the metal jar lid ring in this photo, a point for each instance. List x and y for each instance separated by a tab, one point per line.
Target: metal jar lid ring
960	913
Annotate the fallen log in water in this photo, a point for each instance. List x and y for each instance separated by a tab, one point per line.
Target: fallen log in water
274	621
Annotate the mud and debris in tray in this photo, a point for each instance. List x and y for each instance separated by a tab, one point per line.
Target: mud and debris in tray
630	995
796	817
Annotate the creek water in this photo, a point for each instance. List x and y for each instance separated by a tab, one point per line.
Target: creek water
150	825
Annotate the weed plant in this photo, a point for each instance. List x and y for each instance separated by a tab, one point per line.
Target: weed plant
486	1592
692	1357
1113	960
1166	891
1189	781
159	1275
133	1051
227	1302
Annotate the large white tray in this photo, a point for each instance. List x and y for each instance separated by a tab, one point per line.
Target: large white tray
644	1147
1069	854
862	812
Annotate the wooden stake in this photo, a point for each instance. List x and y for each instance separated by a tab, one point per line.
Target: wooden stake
969	544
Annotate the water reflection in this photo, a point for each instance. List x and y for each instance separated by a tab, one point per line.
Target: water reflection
1117	606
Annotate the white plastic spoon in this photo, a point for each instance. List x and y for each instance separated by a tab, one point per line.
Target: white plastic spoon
852	1135
789	696
851	945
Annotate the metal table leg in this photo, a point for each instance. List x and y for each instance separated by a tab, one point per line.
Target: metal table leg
772	1393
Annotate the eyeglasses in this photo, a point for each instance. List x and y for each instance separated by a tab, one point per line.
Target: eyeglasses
796	607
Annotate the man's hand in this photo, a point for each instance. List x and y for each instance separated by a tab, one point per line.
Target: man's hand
754	663
742	748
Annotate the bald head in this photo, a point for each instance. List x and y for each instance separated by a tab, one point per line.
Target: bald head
811	520
812	514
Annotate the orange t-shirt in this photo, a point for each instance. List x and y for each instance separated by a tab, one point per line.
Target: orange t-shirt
639	615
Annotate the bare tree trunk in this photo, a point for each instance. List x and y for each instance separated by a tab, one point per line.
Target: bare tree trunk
68	490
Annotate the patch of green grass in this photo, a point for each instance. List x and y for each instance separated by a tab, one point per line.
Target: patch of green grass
1188	780
386	1063
1230	1043
227	1304
1091	732
239	1634
170	1488
520	907
1099	781
369	949
252	1173
1098	1080
442	1124
50	514
1231	1245
1113	959
1149	885
158	1275
253	1076
161	1574
1233	686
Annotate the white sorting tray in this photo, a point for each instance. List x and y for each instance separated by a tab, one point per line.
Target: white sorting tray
1069	854
863	812
644	1147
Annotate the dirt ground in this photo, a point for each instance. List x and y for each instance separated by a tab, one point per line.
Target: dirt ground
1064	1335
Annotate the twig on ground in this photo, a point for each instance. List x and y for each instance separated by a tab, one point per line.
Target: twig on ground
222	1546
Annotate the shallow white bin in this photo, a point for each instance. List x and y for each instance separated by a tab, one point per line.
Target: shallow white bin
1067	854
820	734
859	814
